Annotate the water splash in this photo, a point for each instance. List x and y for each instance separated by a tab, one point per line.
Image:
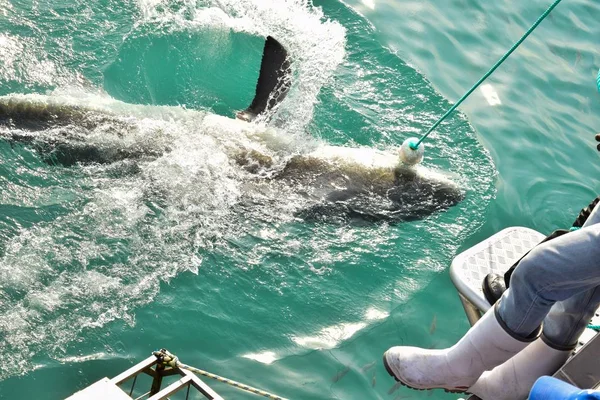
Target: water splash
315	43
88	245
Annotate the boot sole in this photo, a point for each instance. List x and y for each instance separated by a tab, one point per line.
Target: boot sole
389	371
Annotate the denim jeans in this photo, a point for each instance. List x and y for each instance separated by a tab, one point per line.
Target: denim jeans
557	283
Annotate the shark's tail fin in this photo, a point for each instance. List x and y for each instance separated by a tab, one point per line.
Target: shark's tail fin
274	80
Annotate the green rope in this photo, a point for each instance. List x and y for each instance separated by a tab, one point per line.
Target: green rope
594	327
491	71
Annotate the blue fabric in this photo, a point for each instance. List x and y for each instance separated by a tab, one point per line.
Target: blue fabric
598	80
558	283
548	388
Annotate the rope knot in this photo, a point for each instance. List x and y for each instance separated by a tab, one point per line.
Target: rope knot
164	357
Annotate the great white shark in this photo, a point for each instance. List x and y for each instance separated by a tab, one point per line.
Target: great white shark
346	183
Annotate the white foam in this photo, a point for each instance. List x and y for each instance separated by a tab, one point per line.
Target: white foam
24	59
115	238
374	314
5	7
331	336
85	358
315	43
366	156
369	3
490	94
111	248
266	357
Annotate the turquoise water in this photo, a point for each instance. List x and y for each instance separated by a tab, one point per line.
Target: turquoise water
99	267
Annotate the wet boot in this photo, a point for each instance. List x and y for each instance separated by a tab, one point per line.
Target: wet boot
486	345
513	379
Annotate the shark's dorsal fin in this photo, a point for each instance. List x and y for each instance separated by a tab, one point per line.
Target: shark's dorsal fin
273	82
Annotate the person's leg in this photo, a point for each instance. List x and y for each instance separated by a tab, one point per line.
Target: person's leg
552	272
567	319
565	266
494	285
513	379
486	345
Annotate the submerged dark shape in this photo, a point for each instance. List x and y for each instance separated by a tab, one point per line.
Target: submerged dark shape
349	191
339	184
60	131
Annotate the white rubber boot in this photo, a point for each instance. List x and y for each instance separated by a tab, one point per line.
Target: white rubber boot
513	379
482	348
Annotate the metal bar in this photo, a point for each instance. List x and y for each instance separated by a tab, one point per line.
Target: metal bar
133	386
201	386
473	313
581	370
171	371
172	388
142	396
133	371
149	371
157	381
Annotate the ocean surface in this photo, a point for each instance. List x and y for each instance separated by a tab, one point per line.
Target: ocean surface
102	264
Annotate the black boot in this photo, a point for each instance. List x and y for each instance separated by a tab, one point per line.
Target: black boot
493	287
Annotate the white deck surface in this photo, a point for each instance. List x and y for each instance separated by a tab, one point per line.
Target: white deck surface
101	390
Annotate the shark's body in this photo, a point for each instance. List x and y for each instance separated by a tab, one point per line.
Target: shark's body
340	182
